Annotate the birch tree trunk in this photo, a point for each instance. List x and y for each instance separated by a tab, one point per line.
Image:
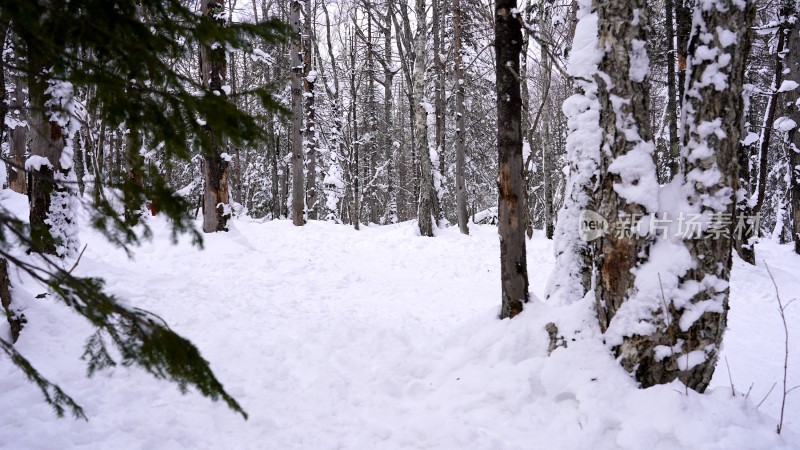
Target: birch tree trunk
298	177
511	185
425	209
711	169
628	185
216	209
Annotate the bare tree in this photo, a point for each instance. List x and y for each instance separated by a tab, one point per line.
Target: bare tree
792	61
511	196
461	188
216	209
711	169
627	137
298	178
310	139
426	192
17	137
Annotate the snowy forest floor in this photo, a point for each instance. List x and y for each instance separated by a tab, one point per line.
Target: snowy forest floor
335	338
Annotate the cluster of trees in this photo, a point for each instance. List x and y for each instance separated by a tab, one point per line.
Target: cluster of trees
367	112
656	145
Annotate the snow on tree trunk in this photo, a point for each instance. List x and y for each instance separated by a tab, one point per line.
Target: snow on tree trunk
389	71
572	277
674	142
628	185
298	178
439	177
461	188
684	287
354	160
511	185
216	208
18	135
310	138
425	208
712	124
792	61
769	115
53	187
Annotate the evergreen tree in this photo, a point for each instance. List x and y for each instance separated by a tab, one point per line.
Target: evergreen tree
126	61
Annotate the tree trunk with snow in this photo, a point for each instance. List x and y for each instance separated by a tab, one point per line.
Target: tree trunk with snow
672	113
572	277
216	207
310	137
425	209
628	187
713	98
547	145
371	150
298	177
52	186
792	61
388	102
44	164
354	162
769	115
511	184
438	106
15	321
683	27
461	188
18	136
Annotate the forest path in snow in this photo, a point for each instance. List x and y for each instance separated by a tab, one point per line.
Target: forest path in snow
336	338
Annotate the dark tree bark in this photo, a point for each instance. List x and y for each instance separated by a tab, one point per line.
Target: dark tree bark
745	245
4	106
461	188
134	165
215	168
15	322
683	17
511	196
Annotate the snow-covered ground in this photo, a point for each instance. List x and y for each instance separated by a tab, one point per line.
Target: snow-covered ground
335	338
